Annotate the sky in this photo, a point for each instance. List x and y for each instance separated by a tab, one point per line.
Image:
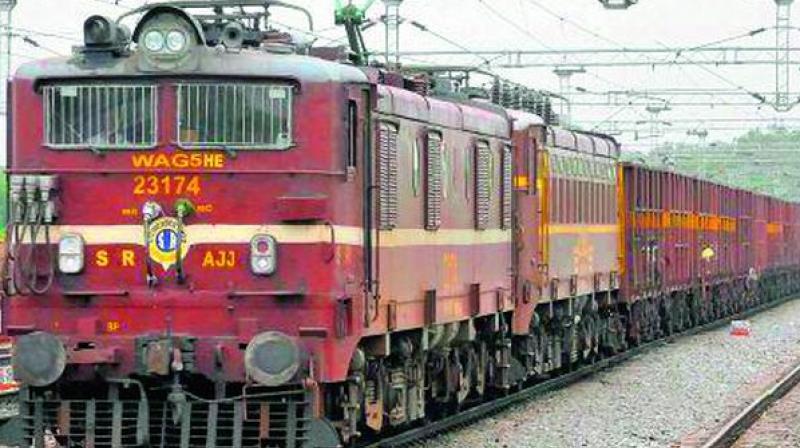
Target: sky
55	25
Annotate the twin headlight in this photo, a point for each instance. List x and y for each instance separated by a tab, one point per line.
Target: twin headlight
166	37
173	42
71	254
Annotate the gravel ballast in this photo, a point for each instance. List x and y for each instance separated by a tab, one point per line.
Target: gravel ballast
670	396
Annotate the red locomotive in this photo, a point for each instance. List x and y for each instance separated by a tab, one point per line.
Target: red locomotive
220	240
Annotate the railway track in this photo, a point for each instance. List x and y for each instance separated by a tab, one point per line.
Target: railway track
726	436
416	435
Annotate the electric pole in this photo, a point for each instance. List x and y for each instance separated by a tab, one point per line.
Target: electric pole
565	90
782	28
392	32
6	6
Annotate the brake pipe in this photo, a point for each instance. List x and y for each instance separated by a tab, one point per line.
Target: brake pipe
152	281
150	211
33	274
183	209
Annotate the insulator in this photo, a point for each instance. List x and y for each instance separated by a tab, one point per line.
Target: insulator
421	85
495	93
506	99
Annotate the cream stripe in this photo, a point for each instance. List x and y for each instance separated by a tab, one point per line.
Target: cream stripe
286	234
557	229
216	233
443	237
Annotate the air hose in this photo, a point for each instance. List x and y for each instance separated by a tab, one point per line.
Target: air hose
25	276
14	245
152	280
33	275
183	209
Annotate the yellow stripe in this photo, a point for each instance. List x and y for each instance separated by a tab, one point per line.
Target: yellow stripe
559	229
443	237
284	234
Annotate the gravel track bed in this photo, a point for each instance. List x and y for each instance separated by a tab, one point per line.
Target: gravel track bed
671	396
778	427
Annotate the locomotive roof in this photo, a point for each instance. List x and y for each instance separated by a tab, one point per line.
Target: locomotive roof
245	64
524	120
490	121
583	142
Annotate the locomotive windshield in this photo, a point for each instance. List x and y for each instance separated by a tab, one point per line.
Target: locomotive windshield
100	116
251	116
209	115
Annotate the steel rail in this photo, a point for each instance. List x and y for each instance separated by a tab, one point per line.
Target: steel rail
486	409
735	427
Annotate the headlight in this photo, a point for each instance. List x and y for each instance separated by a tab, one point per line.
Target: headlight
272	358
154	41
70	254
176	41
263	255
39	359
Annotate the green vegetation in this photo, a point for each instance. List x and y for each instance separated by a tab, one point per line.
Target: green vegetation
763	161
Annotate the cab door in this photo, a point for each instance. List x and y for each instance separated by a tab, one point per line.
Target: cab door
526	223
360	171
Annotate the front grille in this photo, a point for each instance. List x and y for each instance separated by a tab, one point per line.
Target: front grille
82	423
100	116
266	418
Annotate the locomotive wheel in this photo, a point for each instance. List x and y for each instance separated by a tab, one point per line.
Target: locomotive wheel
615	339
679	314
635	325
542	342
466	372
695	311
589	338
669	316
686	311
654	319
482	359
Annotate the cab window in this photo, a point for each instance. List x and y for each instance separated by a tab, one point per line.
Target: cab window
241	116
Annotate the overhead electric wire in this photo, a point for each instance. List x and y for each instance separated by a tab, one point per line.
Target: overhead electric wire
307	32
515	25
681	54
608	118
53	35
713	73
751	33
116	3
573	23
28	40
597	35
443	38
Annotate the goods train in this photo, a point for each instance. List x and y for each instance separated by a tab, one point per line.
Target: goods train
221	238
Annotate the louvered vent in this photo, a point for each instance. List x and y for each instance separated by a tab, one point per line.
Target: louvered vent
387	176
482	185
506	209
433	191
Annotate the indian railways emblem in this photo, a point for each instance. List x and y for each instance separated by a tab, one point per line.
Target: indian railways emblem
165	236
